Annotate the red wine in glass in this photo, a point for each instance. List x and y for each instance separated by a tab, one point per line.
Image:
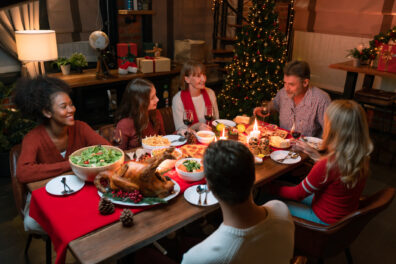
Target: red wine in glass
187	117
187	122
295	134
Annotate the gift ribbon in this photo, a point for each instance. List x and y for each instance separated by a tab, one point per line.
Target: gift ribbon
153	59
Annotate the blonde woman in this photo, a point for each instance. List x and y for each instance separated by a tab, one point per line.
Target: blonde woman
333	187
194	97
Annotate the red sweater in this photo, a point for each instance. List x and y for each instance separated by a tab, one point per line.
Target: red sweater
40	159
332	200
129	136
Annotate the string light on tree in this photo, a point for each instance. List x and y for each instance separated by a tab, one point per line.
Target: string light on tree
255	73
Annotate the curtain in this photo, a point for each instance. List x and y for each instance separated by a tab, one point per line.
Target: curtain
24	16
358	18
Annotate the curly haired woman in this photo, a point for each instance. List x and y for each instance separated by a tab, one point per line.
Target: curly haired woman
46	148
137	116
335	183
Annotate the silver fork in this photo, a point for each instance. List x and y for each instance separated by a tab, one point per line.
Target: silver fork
287	156
206	195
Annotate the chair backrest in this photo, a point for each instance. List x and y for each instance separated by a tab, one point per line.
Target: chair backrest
317	240
19	190
167	116
106	131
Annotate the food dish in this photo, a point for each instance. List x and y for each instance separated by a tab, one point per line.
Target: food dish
280	154
89	173
279	142
55	186
167	198
192	196
193	151
155	142
190	169
314	142
205	137
175	142
177	153
224	121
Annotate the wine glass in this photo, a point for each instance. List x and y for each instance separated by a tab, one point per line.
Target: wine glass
188	117
116	137
264	112
208	114
295	134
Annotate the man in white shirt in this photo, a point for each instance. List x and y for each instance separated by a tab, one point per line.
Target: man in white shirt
249	233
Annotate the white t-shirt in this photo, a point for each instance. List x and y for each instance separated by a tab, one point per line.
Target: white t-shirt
199	104
270	241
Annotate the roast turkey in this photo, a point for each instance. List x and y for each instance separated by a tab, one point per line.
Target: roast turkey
146	177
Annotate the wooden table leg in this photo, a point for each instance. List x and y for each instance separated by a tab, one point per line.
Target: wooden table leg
350	85
368	82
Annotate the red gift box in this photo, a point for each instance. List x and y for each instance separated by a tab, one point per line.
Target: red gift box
387	58
126	52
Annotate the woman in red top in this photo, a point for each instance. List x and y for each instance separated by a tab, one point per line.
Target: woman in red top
46	148
137	116
335	183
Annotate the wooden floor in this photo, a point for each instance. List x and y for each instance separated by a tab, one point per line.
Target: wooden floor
376	244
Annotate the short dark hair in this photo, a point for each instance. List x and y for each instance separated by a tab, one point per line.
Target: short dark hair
298	68
229	170
32	96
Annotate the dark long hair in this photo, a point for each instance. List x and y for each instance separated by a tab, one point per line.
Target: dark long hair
32	96
134	104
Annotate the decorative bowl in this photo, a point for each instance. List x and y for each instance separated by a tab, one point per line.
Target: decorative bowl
189	176
89	173
205	136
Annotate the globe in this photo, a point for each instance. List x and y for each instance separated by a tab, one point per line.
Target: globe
98	40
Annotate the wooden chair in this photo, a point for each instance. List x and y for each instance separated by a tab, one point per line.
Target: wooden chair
106	131
167	116
19	191
319	241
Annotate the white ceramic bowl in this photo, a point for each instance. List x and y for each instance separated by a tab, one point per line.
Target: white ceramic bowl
189	176
205	136
89	173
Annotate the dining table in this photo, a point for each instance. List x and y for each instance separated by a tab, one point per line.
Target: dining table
114	241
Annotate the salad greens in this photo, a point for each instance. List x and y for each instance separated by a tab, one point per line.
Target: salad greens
191	165
96	156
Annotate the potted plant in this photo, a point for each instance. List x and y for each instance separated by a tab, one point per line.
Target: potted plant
13	127
361	55
78	61
64	64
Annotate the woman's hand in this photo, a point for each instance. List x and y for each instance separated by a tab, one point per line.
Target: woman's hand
257	111
307	149
200	126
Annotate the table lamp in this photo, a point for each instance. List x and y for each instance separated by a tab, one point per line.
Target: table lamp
36	45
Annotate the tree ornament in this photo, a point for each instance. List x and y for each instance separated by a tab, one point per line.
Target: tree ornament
258	52
126	218
106	207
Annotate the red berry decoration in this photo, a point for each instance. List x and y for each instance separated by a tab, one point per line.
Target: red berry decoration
258	36
258	52
239	73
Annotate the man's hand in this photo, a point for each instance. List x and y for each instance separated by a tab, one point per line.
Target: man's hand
257	111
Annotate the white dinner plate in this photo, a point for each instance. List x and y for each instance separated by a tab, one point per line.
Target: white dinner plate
314	142
280	154
55	186
192	196
224	121
176	143
176	190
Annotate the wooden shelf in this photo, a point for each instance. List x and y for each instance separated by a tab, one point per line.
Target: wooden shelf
135	12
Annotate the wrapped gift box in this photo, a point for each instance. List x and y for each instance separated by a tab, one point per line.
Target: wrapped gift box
126	52
387	58
150	64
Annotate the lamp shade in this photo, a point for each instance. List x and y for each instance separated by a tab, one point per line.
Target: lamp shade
36	45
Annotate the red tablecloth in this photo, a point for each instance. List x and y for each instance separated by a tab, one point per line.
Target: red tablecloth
66	218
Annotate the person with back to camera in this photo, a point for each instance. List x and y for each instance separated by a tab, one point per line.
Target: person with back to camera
335	183
46	148
194	97
137	116
249	233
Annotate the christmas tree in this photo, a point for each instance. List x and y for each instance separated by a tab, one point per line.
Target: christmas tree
255	74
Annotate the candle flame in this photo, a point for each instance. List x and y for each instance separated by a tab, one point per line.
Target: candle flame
255	126
215	140
223	135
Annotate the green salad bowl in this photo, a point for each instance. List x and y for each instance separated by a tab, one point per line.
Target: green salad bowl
87	171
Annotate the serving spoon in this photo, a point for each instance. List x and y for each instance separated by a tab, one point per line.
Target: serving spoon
68	190
200	191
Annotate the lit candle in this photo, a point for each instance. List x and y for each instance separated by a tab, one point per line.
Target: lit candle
255	132
223	136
